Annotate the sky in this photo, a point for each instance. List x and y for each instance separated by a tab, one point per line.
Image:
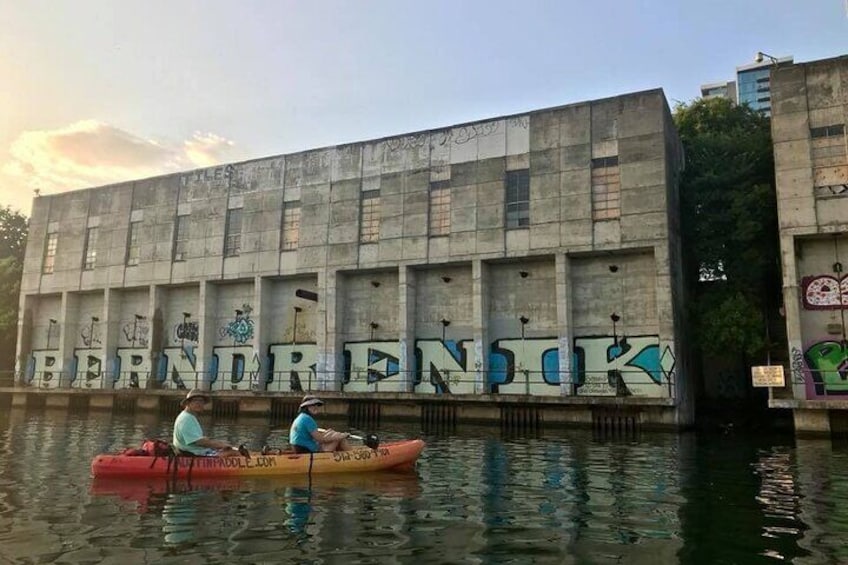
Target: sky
97	91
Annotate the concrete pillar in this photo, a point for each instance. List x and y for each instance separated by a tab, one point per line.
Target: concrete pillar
792	308
261	336
24	342
68	318
809	421
480	323
111	324
563	301
329	334
158	335
207	302
406	326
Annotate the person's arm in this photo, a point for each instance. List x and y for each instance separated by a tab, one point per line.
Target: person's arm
212	443
327	436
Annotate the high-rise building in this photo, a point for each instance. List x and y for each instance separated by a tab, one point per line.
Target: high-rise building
754	86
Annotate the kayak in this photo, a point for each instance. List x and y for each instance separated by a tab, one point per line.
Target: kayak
393	455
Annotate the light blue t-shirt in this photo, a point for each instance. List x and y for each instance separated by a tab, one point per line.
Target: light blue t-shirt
301	432
187	430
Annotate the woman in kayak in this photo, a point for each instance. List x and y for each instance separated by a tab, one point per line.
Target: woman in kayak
188	435
306	437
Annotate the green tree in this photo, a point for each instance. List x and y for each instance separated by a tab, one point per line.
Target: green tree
729	227
13	233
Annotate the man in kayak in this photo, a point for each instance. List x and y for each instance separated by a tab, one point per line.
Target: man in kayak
306	437
188	435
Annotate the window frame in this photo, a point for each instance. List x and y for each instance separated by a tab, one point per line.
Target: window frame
132	259
290	243
516	185
232	240
605	184
181	225
89	252
49	267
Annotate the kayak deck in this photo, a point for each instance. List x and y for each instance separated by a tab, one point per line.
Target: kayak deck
393	455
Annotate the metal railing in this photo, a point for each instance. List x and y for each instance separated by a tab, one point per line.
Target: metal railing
617	383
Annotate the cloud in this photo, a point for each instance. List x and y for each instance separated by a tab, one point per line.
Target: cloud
93	153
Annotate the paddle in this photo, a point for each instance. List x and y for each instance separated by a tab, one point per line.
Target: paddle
370	440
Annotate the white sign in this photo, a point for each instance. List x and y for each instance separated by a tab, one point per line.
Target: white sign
766	376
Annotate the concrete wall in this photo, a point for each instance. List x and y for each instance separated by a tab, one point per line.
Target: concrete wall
812	191
483	308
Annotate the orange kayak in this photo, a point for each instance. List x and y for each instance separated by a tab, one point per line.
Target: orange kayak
393	455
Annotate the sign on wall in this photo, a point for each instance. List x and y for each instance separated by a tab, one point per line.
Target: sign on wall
768	376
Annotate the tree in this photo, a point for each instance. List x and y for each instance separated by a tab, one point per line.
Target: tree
13	233
729	227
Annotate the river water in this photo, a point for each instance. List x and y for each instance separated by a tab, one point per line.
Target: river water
475	497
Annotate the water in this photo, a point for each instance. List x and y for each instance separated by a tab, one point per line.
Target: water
476	497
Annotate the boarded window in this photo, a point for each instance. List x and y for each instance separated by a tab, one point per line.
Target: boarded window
440	201
606	188
133	244
180	238
369	231
232	237
291	225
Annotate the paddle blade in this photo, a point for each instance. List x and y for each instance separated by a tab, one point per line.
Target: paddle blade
371	441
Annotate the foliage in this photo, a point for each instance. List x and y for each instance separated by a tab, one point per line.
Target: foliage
729	224
13	233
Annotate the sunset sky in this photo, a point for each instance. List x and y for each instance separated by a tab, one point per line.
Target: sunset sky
99	91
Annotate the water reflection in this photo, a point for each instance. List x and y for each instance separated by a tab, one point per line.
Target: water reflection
479	498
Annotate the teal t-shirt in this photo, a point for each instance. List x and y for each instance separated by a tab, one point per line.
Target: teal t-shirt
301	432
187	430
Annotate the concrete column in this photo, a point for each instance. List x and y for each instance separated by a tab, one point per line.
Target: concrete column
24	342
563	301
158	336
811	421
261	340
206	302
792	308
111	324
406	326
480	323
329	334
68	318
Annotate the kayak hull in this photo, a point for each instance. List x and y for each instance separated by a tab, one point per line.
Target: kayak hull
394	455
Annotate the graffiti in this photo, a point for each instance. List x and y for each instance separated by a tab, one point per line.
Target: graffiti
536	366
241	328
44	369
185	331
369	363
292	367
175	363
88	369
445	366
827	363
407	142
824	292
236	363
622	367
132	368
136	332
524	366
797	360
89	336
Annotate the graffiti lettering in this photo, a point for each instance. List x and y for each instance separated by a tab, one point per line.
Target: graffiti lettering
44	369
824	292
132	368
89	366
292	367
233	364
632	366
241	328
185	331
828	367
445	363
369	363
176	363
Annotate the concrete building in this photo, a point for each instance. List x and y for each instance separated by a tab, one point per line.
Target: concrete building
809	112
534	254
725	89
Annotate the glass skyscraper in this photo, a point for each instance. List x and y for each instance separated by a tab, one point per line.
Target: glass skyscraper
753	86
